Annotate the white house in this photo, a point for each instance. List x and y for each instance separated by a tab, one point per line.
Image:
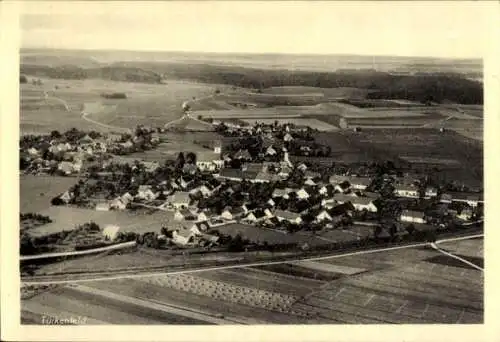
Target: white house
360	183
412	216
359	203
209	161
302	194
284	215
465	214
184	214
270	151
288	137
66	197
232	213
110	232
430	192
32	151
118	204
323	216
145	192
310	182
179	199
406	191
127	197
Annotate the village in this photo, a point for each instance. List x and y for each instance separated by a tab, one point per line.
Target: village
257	185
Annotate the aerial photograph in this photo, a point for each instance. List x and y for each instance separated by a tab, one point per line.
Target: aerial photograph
258	163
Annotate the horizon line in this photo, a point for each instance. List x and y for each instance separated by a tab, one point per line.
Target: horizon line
250	53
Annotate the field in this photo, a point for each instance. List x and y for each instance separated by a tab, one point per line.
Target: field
37	191
147	104
399	286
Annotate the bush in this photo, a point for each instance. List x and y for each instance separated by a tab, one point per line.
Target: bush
114	95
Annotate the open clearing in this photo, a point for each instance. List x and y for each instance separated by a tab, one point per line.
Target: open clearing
399	286
36	192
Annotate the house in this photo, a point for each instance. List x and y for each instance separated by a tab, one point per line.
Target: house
232	213
66	167
271	202
466	214
359	203
151	166
430	192
342	187
280	193
472	199
302	194
309	182
288	216
323	215
256	216
127	197
110	232
412	216
184	215
288	137
32	151
183	236
248	207
118	204
179	199
270	151
406	191
341	209
202	189
337	179
127	144
302	167
243	155
360	183
86	139
311	174
210	160
145	192
189	168
103	206
66	197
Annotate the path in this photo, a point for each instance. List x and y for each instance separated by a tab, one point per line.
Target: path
242	265
437	248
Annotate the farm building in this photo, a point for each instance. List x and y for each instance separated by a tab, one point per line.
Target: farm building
360	183
270	151
110	232
232	213
184	214
472	199
209	161
66	197
204	190
323	215
406	191
412	216
179	200
359	203
283	215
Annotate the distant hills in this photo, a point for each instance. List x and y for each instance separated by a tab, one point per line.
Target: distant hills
425	81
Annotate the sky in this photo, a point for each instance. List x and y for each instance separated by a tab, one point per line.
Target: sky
443	29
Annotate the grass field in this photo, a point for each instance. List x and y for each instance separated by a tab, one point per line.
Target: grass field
36	192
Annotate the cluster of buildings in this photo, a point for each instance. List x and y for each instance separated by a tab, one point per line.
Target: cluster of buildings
58	155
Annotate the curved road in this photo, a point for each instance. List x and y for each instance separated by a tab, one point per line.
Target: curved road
242	265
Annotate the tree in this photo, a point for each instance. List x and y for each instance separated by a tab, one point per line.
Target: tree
191	158
55	135
179	164
410	229
23	79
